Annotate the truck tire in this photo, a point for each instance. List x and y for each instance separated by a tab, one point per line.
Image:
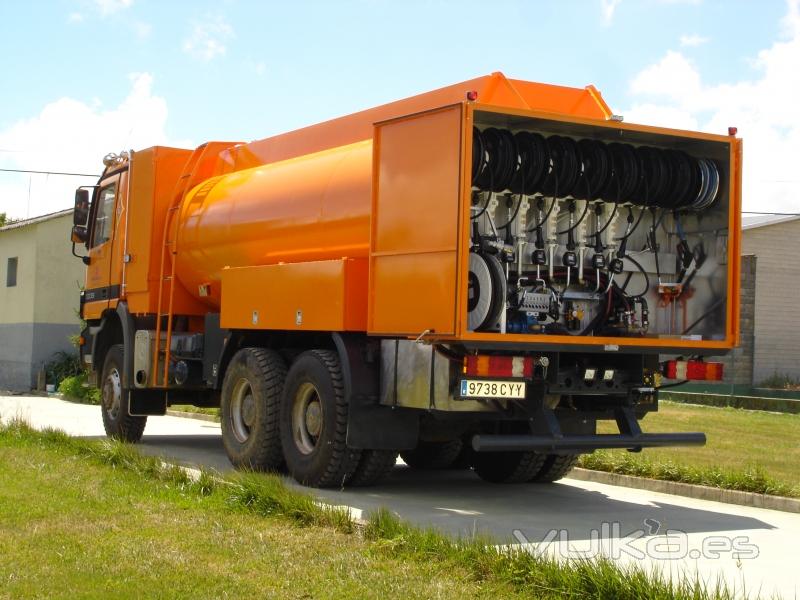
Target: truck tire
555	467
433	455
313	420
373	466
250	409
508	467
118	424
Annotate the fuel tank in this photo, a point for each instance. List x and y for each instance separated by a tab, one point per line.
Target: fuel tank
309	208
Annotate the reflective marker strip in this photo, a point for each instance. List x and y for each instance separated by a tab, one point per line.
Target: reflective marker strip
518	367
680	369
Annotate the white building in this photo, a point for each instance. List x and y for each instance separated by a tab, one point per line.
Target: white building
775	242
40	284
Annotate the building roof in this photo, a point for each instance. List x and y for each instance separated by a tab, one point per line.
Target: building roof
754	221
36	220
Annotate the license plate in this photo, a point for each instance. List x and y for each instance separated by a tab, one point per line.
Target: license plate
487	388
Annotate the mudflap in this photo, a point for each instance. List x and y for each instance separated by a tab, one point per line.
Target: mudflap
145	403
371	425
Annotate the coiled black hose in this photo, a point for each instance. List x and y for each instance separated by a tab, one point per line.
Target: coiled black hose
588	169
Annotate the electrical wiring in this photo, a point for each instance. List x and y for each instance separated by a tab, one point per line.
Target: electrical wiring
705	315
638	265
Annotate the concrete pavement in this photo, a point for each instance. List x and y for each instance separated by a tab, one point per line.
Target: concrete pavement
753	549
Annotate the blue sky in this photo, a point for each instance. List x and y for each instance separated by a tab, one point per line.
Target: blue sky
86	77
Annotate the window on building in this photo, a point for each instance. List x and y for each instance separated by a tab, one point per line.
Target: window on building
104	217
11	272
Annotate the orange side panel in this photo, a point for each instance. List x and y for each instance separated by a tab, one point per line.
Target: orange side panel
414	238
325	295
495	89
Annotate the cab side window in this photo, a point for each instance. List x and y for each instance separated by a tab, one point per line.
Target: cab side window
104	217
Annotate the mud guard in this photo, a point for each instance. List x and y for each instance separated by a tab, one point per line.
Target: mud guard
371	425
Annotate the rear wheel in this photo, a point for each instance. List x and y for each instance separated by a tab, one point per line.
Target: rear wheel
373	466
507	467
555	467
433	455
250	409
313	421
118	423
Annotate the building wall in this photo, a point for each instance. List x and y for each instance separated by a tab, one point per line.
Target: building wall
16	303
738	369
38	315
16	309
777	307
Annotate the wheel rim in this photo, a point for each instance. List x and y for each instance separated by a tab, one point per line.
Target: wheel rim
243	410
306	418
112	393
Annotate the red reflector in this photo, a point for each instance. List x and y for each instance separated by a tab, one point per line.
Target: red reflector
472	95
693	370
499	366
732	130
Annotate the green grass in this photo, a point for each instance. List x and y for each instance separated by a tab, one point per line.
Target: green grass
188	408
98	519
747	450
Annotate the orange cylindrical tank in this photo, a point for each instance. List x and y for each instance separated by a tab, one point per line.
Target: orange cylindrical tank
313	207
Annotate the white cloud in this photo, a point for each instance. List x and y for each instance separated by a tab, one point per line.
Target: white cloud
207	38
674	76
692	41
607	8
672	93
75	17
142	29
69	135
108	7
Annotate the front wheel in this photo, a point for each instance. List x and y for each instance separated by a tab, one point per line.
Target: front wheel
314	421
117	421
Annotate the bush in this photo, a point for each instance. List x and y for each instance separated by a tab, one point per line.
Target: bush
75	388
780	381
62	365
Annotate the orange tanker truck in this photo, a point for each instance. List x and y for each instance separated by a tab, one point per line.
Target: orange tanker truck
474	276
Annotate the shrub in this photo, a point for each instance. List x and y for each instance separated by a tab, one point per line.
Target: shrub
62	365
75	388
780	381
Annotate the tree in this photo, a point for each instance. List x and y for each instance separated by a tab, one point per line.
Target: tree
6	220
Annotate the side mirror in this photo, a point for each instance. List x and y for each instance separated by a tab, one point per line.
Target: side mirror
79	234
81	214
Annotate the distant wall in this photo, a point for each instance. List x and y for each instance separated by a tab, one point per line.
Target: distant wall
739	364
59	275
777	307
16	340
16	303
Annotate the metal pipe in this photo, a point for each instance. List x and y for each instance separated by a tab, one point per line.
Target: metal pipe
512	443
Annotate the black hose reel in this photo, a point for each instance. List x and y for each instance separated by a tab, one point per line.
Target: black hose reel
485	290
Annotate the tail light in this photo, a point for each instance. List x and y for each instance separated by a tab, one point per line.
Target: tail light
693	370
499	366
